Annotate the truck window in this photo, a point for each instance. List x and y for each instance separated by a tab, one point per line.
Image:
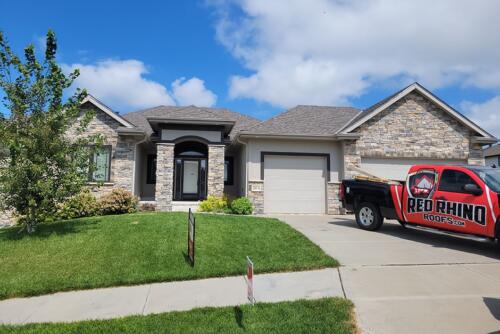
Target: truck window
454	181
421	183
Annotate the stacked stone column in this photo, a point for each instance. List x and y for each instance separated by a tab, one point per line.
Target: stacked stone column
476	156
352	157
164	176
215	182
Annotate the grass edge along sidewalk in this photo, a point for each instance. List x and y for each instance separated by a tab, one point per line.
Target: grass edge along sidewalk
327	315
144	248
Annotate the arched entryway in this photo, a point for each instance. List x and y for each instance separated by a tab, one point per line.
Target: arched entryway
190	170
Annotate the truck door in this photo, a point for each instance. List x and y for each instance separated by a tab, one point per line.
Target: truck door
460	202
418	195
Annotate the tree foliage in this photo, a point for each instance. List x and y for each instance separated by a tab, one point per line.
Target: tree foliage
39	165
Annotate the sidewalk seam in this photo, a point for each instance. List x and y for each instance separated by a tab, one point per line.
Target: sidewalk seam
146	301
341	283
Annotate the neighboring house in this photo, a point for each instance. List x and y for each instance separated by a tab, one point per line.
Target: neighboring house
291	163
492	156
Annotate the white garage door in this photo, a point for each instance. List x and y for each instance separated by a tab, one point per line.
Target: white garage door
294	184
396	169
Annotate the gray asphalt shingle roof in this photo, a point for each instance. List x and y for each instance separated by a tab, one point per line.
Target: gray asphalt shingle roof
306	120
139	118
492	151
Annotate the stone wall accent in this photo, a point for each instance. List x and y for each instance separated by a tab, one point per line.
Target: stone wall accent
122	152
476	155
7	218
334	206
164	176
352	157
215	182
256	195
414	127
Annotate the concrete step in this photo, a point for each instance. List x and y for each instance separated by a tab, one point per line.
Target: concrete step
184	206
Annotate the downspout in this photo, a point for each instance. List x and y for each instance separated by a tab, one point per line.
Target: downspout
135	164
246	164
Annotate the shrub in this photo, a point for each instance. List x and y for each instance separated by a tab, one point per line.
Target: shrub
118	201
148	207
83	204
214	204
241	206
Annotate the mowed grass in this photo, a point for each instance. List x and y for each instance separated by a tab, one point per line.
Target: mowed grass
146	247
329	315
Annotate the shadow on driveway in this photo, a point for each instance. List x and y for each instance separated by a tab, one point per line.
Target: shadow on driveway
433	238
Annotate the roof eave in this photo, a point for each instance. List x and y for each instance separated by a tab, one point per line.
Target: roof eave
332	137
484	140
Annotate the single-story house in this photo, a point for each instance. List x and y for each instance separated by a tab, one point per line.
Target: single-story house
492	156
291	163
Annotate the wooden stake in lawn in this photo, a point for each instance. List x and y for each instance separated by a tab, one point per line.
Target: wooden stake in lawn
250	281
191	235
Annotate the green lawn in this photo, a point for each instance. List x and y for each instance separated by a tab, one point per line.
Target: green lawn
148	247
329	315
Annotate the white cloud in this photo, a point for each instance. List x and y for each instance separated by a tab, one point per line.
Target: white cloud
193	91
123	85
325	52
486	114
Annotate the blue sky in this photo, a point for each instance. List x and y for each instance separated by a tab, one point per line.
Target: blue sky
260	57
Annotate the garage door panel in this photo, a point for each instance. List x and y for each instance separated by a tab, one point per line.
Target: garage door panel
397	169
294	184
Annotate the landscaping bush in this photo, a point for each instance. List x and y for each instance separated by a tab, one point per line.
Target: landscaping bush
214	204
82	205
148	207
118	201
241	206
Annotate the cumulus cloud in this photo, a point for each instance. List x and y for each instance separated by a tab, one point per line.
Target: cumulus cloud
326	51
193	91
486	114
123	85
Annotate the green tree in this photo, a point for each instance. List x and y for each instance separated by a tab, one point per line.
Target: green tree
40	166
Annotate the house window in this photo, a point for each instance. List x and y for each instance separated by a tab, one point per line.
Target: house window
100	159
228	170
151	169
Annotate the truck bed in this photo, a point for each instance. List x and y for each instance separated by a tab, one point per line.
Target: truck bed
358	191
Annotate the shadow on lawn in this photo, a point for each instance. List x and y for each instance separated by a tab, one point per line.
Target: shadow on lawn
238	316
49	229
429	237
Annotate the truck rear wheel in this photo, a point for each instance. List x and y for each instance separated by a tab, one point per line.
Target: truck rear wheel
368	216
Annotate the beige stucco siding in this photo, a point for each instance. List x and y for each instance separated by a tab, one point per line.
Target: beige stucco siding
209	135
256	146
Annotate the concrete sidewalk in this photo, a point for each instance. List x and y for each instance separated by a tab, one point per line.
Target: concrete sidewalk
164	297
411	281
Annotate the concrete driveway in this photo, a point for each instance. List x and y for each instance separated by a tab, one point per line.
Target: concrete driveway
408	280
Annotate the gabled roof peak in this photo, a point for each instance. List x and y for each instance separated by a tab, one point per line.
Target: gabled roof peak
380	106
107	110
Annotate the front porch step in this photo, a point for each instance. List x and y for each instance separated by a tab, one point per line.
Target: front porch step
184	206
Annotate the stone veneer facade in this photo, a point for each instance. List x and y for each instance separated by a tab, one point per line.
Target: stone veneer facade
164	176
122	152
334	206
256	195
415	128
215	178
